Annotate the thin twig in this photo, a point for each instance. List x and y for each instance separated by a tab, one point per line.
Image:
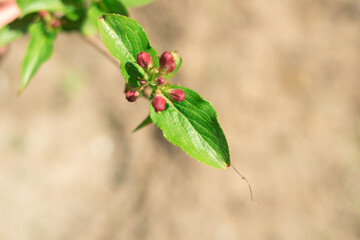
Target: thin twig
244	178
100	48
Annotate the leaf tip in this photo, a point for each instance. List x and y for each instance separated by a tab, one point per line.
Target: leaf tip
21	89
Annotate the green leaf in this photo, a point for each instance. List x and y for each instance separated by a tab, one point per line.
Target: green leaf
29	6
15	29
97	9
136	3
125	38
39	51
144	123
193	126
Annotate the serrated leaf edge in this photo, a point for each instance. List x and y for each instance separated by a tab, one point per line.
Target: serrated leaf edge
169	102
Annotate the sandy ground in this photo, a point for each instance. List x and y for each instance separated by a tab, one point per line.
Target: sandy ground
284	78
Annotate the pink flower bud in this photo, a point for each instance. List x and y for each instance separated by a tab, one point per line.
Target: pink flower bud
166	60
160	81
43	14
55	23
144	59
158	103
177	95
142	82
132	95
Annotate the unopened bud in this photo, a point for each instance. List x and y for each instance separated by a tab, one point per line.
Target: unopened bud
171	68
43	14
142	82
132	95
158	103
144	59
177	95
55	23
160	81
166	60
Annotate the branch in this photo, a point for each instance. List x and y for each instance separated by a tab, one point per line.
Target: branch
100	48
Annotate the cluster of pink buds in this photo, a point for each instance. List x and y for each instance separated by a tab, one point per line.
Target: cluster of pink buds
156	79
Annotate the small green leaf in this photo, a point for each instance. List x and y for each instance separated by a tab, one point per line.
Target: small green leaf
144	123
193	126
136	3
125	38
71	13
39	51
97	9
135	73
89	26
113	6
74	10
29	6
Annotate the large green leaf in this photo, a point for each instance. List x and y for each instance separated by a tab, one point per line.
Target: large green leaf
125	38
135	3
15	29
39	51
193	126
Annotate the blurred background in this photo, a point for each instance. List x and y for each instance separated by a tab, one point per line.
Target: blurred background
284	79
